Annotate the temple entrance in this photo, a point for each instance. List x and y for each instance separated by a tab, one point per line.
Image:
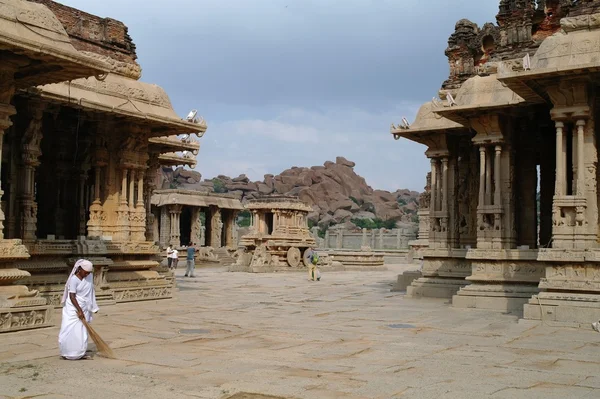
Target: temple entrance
269	222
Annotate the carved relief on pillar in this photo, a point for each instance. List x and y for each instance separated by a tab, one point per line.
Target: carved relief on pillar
216	226
96	216
138	213
123	224
197	228
30	153
149	187
7	89
165	226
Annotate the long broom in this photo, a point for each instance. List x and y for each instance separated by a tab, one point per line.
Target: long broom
103	348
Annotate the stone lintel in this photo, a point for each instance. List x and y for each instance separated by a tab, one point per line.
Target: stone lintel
445	253
568	113
561	255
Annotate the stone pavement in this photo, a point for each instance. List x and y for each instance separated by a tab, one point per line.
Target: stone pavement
347	336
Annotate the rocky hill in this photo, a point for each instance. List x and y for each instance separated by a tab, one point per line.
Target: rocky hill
337	194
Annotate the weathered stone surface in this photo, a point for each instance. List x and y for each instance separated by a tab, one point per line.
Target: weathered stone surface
341	216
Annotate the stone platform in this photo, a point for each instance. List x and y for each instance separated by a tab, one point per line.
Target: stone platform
444	273
344	337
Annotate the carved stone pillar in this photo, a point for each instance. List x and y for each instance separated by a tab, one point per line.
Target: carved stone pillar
165	226
434	184
559	186
30	153
20	308
482	183
575	206
216	225
440	195
580	166
495	211
138	213
196	233
123	224
230	228
175	212
149	187
94	223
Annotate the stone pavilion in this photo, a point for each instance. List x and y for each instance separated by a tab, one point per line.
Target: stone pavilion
512	210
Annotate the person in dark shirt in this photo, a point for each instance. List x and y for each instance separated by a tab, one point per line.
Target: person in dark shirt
190	262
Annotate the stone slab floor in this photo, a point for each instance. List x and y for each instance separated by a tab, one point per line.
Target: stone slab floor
228	335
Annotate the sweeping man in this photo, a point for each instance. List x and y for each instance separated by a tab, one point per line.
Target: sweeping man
79	302
313	270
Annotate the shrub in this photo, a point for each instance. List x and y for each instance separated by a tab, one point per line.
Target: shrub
219	186
244	219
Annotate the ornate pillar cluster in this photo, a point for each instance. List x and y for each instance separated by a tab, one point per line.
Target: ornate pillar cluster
439	216
30	153
20	308
575	199
175	215
495	210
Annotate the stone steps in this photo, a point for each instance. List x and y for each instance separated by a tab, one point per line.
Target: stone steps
225	258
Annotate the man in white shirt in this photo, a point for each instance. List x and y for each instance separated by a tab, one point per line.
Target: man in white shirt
175	257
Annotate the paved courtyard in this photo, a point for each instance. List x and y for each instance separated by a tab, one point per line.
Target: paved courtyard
348	336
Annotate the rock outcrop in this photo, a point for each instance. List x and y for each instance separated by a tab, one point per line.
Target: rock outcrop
335	192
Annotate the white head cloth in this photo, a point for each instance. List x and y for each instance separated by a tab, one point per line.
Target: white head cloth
88	267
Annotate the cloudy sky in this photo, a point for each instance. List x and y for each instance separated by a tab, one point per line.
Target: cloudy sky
286	83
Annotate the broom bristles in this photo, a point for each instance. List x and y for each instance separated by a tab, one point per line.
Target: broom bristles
102	346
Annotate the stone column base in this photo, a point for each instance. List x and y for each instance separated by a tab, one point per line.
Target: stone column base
570	309
505	297
405	279
435	287
25	318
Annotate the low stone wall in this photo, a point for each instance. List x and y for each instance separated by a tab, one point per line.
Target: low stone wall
376	239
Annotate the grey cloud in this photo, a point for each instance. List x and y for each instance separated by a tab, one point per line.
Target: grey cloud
238	61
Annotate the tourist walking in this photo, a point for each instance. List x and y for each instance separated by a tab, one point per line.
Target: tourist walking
169	256
190	261
79	302
175	259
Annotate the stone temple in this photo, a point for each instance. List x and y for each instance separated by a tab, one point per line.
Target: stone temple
80	139
510	220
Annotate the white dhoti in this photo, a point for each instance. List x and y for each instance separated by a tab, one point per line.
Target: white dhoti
73	336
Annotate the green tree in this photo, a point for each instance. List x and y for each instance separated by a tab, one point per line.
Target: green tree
219	186
244	219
